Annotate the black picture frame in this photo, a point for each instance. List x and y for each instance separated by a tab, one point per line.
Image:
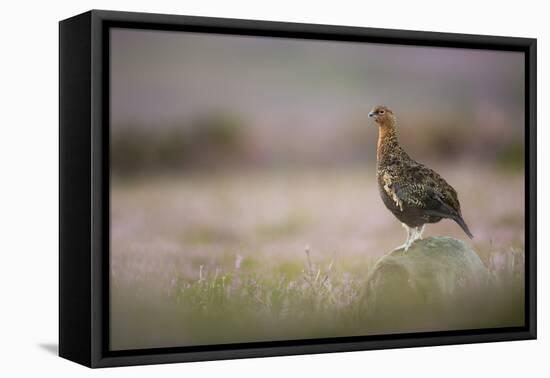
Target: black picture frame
84	187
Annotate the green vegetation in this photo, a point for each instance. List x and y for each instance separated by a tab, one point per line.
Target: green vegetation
323	300
241	305
511	157
248	304
206	141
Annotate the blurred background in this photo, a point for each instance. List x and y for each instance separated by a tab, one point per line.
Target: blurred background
236	152
189	101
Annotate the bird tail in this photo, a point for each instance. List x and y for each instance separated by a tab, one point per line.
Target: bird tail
458	219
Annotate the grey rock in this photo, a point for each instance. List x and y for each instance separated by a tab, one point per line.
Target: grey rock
433	275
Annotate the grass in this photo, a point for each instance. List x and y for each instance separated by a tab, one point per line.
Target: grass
324	300
241	305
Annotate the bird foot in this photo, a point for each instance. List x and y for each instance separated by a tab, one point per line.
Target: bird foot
405	247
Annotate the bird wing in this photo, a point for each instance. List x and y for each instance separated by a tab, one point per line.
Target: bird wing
421	187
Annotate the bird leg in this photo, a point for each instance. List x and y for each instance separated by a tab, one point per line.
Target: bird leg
413	234
417	232
409	240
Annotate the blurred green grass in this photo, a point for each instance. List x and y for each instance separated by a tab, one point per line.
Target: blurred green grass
240	302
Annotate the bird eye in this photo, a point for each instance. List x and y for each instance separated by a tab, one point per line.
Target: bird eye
381	112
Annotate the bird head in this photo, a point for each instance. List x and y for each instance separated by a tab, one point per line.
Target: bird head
382	115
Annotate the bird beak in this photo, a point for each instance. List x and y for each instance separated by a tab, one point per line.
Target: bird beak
372	114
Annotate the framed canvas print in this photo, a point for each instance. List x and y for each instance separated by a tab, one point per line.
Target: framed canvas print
234	188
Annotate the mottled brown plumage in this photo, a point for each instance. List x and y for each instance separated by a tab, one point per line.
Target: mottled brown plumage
414	193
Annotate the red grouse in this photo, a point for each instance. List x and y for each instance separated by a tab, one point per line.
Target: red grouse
414	193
